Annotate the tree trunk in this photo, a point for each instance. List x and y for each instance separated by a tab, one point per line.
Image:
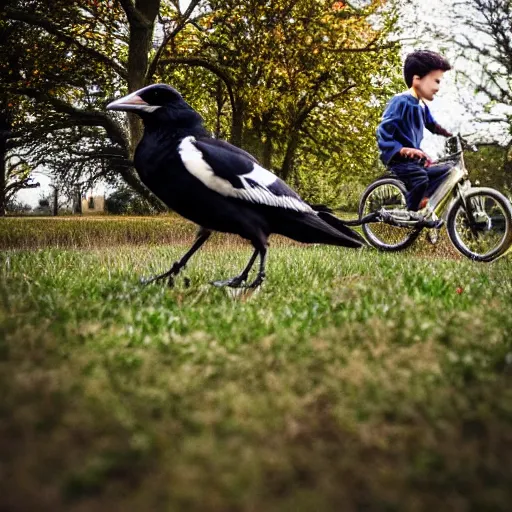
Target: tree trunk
77	202
289	158
131	179
507	165
267	152
219	99
3	172
5	126
55	205
141	37
291	149
237	124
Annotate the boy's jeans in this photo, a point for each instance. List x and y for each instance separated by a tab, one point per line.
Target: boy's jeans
420	181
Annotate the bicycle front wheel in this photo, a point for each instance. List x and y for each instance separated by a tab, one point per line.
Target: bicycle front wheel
389	194
480	227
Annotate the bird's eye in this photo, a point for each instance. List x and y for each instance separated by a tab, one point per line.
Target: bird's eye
157	98
161	97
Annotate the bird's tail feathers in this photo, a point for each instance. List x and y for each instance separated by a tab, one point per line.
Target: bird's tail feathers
321	208
339	225
312	228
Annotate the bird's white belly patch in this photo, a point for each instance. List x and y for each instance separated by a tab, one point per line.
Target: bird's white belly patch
193	161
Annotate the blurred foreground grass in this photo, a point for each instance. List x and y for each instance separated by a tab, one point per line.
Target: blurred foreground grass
349	381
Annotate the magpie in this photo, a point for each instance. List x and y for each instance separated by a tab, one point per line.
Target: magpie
219	186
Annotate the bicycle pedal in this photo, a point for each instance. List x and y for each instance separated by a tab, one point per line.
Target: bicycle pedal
431	223
432	236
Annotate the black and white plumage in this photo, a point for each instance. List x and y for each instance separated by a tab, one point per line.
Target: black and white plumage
236	176
217	185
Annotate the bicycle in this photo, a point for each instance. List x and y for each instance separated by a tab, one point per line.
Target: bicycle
478	219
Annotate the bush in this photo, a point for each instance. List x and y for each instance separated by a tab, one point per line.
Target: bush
14	207
125	201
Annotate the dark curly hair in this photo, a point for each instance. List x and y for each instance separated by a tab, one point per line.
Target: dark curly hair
421	63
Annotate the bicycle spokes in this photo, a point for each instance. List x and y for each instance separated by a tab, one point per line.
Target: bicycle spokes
388	198
480	227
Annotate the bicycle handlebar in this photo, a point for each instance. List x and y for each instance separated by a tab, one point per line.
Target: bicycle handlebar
461	144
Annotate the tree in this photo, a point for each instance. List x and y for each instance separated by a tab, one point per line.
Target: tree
73	56
14	175
280	78
476	36
17	207
487	43
289	66
491	166
124	201
484	57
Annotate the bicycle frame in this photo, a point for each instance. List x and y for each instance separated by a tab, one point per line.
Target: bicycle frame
454	194
457	179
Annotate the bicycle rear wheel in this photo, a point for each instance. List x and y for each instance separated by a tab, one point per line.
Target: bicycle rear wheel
387	193
480	227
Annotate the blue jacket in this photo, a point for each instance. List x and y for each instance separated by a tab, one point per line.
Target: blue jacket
402	125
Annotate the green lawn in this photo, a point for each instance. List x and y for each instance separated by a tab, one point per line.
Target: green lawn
352	380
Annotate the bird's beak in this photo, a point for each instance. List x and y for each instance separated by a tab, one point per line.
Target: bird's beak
131	102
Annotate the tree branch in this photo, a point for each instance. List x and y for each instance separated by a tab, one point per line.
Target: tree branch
135	17
84	117
183	21
198	62
366	49
12	188
32	19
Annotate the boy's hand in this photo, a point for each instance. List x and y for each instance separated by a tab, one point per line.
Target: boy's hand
442	131
415	153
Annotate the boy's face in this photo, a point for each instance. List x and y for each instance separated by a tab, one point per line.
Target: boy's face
428	86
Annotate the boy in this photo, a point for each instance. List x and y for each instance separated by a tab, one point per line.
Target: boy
401	130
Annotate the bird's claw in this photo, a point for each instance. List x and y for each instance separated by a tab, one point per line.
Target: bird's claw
170	274
234	282
258	281
238	282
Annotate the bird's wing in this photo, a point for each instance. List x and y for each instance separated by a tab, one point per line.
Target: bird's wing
227	146
231	172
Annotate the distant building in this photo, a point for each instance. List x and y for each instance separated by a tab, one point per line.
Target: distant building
93	204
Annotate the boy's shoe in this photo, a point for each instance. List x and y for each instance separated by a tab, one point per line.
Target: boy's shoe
426	212
427	218
432	236
423	203
408	218
432	223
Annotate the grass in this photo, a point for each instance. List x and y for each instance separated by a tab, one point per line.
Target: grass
349	381
93	231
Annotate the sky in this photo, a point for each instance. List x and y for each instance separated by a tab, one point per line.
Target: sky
449	108
32	196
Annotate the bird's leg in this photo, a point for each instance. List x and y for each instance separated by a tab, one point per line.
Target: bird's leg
236	282
201	238
261	273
